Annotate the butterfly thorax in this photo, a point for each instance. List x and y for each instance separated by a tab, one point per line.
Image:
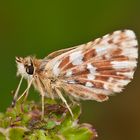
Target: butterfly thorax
44	81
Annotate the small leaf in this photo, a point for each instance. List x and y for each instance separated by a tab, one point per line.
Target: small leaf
50	124
2	137
38	135
16	134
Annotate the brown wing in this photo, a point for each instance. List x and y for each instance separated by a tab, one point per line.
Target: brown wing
98	68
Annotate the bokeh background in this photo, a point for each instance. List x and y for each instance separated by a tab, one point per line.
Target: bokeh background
33	27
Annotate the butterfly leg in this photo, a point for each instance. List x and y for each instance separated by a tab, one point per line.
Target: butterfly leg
26	90
42	93
64	100
42	113
46	86
74	101
27	93
16	92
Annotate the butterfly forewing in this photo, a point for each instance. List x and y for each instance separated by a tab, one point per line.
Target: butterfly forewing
59	52
98	68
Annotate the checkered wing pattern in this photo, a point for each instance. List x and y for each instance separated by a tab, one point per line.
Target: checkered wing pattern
97	69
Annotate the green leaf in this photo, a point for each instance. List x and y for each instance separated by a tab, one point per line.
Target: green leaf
78	134
2	137
16	134
38	135
50	124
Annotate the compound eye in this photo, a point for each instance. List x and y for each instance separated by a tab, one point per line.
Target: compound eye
30	69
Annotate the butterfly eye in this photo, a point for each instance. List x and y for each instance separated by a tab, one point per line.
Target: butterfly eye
30	69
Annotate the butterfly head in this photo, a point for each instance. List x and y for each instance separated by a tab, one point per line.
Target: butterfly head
25	66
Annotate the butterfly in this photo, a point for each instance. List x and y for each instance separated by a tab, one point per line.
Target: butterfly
90	71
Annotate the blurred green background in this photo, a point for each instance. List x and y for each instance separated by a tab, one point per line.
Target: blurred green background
39	27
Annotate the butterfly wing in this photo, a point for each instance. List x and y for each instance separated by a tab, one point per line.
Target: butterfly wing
99	68
59	52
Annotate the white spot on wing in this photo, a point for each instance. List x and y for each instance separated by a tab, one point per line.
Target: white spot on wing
116	88
127	74
107	56
113	87
101	49
76	58
69	73
116	38
71	81
105	39
90	77
89	84
123	82
116	32
123	64
106	36
130	52
106	86
129	43
96	40
110	79
115	84
56	70
130	33
91	68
